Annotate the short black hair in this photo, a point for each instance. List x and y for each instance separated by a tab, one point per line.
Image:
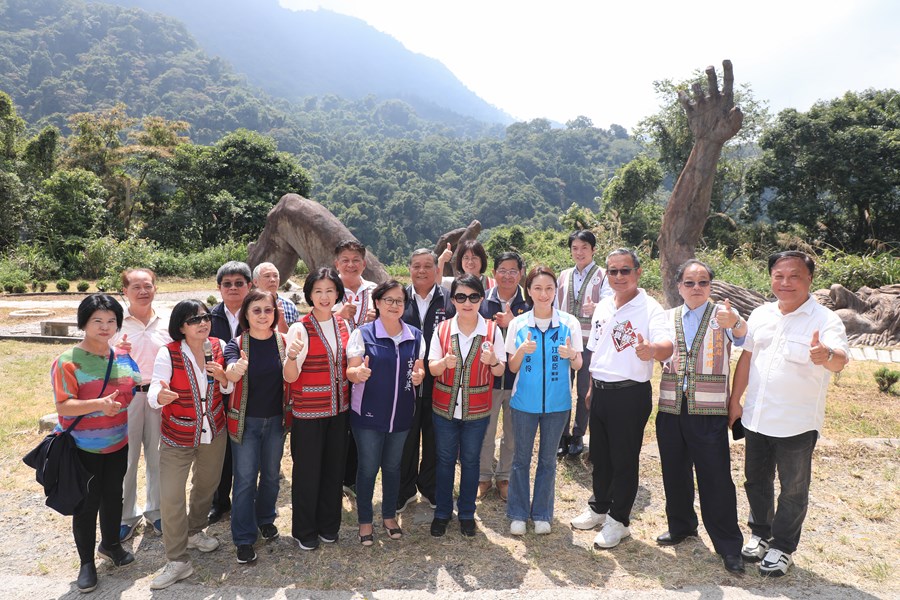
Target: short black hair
679	273
803	256
353	245
477	249
505	256
96	302
254	296
233	267
183	311
320	274
585	236
383	288
469	281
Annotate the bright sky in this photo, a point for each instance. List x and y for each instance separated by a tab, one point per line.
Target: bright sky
566	58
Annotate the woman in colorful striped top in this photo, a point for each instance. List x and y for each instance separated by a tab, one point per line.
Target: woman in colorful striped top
78	376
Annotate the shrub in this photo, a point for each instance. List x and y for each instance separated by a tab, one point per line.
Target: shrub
43	286
19	287
211	301
109	284
8	286
886	378
83	286
63	285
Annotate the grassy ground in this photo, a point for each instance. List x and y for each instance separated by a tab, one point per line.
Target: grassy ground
849	536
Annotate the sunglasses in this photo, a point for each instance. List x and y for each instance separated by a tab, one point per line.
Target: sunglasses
392	301
690	284
230	284
197	319
617	272
259	311
474	298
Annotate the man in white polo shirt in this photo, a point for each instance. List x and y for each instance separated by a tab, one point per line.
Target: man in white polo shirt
793	346
629	330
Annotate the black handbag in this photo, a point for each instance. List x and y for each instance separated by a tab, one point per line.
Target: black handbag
57	466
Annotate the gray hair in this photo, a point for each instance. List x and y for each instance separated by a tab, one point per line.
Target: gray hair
259	268
422	252
625	251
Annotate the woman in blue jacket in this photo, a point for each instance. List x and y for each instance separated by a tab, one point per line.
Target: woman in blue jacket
384	364
543	344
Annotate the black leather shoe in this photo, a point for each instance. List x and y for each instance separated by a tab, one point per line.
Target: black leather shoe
439	526
563	446
734	563
87	578
667	539
119	555
576	445
216	513
467	527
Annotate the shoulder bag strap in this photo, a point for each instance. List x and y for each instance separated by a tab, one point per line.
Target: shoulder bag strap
103	389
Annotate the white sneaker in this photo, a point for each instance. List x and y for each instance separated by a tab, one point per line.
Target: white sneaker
202	542
612	533
173	571
588	519
755	549
775	563
517	528
541	527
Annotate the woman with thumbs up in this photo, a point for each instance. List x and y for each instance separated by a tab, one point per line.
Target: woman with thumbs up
544	344
90	381
258	415
384	363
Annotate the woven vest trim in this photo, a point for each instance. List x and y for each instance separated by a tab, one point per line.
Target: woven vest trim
332	382
175	430
479	390
237	412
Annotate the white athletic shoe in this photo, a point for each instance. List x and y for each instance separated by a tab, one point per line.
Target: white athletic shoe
755	549
173	571
588	519
541	527
517	528
202	542
776	563
611	534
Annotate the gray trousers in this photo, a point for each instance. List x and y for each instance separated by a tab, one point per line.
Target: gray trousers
499	401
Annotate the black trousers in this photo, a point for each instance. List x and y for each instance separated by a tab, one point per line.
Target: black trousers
617	422
317	447
104	497
689	443
222	497
416	475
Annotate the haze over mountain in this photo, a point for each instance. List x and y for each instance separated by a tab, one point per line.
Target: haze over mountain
314	53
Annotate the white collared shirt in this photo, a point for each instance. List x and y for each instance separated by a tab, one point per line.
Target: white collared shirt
233	321
786	391
614	332
422	304
435	352
145	340
162	371
298	329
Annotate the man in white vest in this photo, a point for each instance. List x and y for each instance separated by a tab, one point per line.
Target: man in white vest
692	422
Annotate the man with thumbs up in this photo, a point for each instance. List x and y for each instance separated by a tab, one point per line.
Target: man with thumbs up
793	346
144	331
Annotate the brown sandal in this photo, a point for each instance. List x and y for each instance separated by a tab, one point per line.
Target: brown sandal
395	533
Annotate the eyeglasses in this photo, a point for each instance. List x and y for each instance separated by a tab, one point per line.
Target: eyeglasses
690	284
392	301
474	298
507	272
259	311
197	319
230	284
616	272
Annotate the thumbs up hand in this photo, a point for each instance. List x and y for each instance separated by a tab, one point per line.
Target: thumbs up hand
566	351
295	348
726	317
166	395
529	345
110	406
240	366
418	374
487	354
818	352
503	318
447	254
449	361
123	346
643	349
587	308
363	372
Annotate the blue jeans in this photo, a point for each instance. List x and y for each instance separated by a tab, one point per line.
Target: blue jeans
258	456
519	506
378	449
452	439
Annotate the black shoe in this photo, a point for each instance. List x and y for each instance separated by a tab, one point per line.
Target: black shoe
268	531
467	527
87	578
245	554
119	555
216	513
439	526
576	445
402	503
734	563
308	545
563	446
328	538
667	539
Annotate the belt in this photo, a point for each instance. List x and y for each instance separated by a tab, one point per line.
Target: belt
142	388
615	385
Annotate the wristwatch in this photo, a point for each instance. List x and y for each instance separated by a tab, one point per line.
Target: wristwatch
830	355
495	364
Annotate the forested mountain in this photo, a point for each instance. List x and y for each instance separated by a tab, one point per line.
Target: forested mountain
293	55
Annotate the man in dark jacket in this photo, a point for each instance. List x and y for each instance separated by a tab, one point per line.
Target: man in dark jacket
427	305
502	304
233	279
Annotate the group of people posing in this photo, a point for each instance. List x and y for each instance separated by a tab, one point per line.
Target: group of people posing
411	380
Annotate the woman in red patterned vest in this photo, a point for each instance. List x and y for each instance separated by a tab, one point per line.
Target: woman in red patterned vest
463	361
316	369
188	383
